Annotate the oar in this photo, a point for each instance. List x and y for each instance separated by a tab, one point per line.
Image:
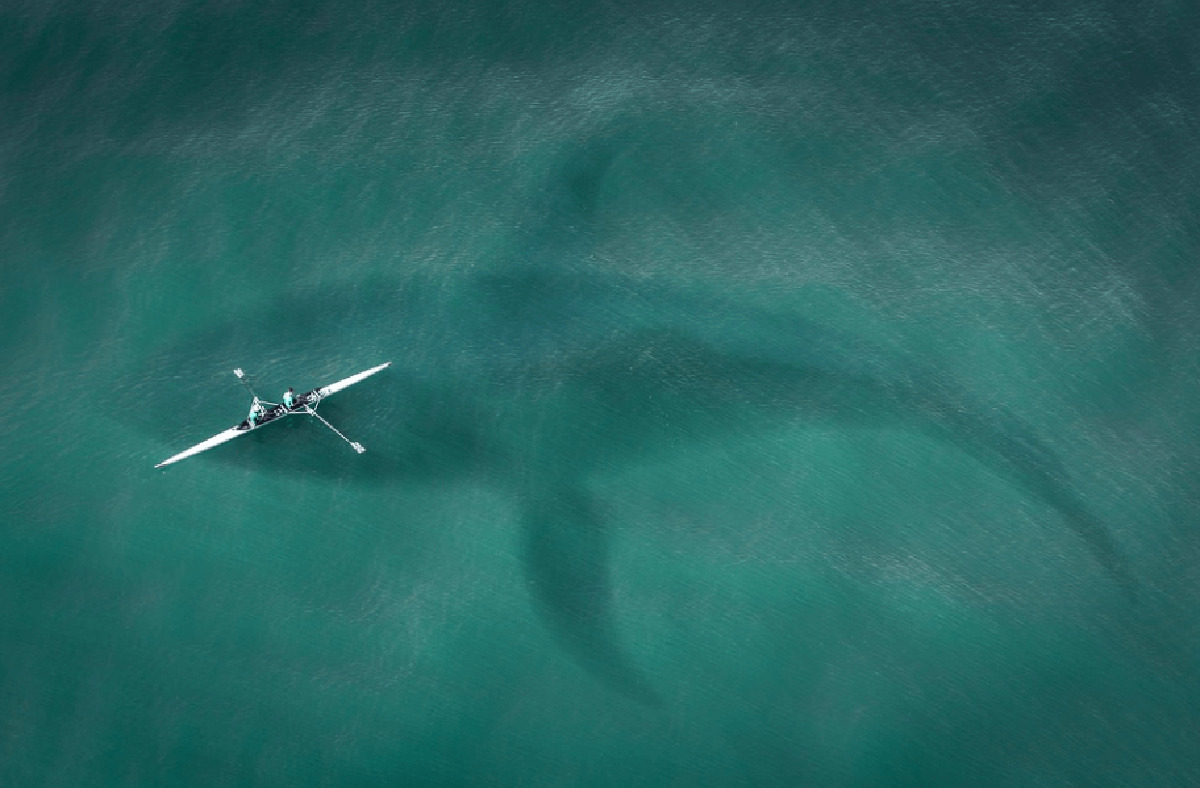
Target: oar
358	447
242	377
258	403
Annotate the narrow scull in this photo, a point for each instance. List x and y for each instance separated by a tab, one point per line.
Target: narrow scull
304	403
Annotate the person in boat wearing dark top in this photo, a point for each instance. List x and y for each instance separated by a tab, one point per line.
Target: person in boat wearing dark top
289	398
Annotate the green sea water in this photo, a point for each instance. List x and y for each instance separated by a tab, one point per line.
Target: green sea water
781	394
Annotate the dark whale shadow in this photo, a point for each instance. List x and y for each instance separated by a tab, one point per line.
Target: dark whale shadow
550	371
515	421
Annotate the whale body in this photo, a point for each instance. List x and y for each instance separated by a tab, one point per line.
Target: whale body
547	369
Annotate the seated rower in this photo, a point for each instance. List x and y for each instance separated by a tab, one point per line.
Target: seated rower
289	398
256	412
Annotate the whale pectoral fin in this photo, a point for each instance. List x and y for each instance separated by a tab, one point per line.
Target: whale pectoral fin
566	563
1014	451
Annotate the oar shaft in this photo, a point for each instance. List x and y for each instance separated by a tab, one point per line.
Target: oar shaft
242	377
356	446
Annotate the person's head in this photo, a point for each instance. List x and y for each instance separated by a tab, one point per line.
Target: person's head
289	389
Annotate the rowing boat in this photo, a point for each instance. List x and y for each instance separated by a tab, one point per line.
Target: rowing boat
305	403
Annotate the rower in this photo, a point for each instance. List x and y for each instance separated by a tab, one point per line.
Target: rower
289	398
256	411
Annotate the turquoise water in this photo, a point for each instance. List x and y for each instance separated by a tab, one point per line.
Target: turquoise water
782	394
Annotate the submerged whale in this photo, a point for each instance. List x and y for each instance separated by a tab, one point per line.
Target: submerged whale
547	371
503	396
